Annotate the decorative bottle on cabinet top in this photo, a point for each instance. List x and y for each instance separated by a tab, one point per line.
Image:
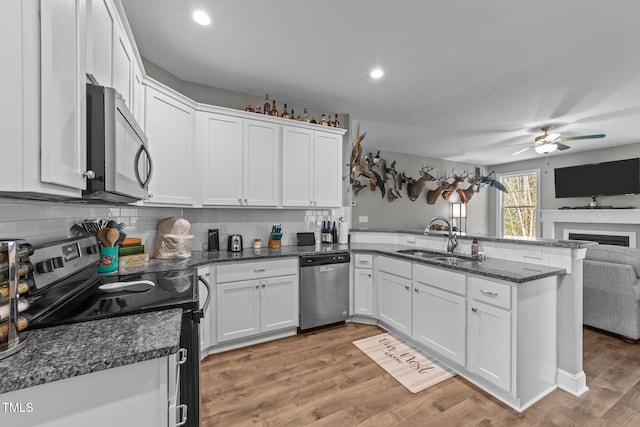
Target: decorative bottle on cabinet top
266	108
285	113
274	109
336	122
305	117
249	108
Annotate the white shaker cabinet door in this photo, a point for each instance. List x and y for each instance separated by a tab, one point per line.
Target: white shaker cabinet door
238	309
489	343
297	167
439	321
100	33
170	129
394	301
261	168
63	97
363	292
220	145
279	303
123	60
327	169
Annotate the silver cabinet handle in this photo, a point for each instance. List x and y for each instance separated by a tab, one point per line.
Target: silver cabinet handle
182	356
206	284
240	201
245	201
369	275
150	195
257	286
260	270
183	415
89	174
407	287
363	262
485	292
264	286
475	310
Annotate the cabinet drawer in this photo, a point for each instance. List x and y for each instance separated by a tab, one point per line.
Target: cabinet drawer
439	278
394	266
363	261
493	293
236	271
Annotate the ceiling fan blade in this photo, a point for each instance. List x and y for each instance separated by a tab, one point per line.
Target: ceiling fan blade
521	151
562	147
573	138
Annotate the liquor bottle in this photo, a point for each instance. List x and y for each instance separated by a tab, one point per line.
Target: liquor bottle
313	120
249	108
299	118
258	111
285	113
334	233
293	115
323	120
305	118
336	122
266	108
274	110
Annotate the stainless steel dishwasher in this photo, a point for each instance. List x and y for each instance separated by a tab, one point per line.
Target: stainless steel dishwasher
324	289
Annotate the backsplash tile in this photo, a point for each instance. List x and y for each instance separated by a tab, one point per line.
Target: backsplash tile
41	222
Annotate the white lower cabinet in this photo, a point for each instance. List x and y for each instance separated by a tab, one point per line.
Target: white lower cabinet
139	394
207	323
439	311
394	293
363	292
267	302
489	339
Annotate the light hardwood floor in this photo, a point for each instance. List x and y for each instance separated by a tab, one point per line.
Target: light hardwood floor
321	379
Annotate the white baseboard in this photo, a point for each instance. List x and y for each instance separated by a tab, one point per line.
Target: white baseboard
575	384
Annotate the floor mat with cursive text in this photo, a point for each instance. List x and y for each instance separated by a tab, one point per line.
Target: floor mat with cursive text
407	365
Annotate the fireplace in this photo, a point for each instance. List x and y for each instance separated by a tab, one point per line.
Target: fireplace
603	239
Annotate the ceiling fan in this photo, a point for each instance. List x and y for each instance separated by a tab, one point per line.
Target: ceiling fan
550	142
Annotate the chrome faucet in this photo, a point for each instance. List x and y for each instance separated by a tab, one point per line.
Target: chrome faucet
453	240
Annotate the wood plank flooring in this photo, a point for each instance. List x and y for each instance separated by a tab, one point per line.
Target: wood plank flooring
321	379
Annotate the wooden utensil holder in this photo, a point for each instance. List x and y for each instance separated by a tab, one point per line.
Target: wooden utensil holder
274	244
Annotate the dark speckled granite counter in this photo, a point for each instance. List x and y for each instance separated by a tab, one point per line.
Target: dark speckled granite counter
66	351
512	271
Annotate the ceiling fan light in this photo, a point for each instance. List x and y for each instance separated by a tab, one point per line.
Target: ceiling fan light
545	148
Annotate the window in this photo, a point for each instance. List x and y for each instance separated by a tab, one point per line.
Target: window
518	209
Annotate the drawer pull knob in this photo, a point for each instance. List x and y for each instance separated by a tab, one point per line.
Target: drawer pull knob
407	288
475	310
491	294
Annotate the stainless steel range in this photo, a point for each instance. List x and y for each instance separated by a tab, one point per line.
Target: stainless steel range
69	290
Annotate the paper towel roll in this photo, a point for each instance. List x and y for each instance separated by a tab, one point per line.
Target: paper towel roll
343	233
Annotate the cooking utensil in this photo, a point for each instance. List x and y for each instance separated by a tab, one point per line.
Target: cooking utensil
112	236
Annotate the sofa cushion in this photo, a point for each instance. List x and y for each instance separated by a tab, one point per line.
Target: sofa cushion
615	255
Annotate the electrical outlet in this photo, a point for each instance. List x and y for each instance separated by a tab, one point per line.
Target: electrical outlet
363	218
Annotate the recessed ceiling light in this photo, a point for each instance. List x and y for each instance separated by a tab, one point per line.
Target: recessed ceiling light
376	73
201	17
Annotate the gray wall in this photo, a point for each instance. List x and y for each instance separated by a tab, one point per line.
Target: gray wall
405	214
546	165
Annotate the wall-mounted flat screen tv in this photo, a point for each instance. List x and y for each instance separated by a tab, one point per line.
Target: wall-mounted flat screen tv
598	179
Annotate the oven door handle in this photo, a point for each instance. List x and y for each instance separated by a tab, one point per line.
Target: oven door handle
204	308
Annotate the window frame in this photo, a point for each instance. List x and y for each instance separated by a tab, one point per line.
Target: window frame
500	199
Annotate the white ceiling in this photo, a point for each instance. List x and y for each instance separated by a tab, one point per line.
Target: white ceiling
463	77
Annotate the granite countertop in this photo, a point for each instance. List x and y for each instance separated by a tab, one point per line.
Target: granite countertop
512	271
60	352
572	244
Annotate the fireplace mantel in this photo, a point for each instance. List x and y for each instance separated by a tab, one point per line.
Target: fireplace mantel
549	218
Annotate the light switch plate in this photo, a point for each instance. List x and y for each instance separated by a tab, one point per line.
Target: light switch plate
363	218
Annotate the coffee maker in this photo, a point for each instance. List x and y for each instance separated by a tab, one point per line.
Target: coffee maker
234	244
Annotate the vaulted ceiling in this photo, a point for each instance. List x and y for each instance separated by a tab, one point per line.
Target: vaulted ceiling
463	78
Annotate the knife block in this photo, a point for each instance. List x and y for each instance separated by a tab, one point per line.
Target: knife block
274	244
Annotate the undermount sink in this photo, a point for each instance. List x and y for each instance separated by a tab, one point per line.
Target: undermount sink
421	253
450	259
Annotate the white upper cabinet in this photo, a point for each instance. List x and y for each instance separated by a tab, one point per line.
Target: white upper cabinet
311	169
123	60
170	129
101	24
240	160
220	144
261	166
63	92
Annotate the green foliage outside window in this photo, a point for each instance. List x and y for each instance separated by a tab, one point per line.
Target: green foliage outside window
519	206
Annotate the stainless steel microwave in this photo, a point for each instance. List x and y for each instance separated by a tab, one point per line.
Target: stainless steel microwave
118	161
